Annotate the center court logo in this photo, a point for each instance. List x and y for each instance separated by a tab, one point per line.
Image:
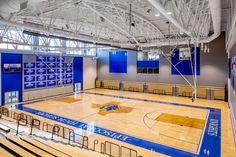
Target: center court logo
111	107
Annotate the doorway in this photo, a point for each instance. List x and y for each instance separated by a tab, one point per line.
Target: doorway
11	97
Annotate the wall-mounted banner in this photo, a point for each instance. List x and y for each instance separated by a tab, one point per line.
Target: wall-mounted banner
41	65
29	78
51	65
51	83
41	78
40	71
47	71
29	85
60	65
29	72
51	59
41	84
29	65
61	59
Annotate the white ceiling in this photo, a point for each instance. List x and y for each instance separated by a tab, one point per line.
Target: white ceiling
110	21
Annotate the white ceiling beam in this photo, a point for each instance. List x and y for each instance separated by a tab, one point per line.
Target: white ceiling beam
127	11
42	30
215	8
162	10
118	27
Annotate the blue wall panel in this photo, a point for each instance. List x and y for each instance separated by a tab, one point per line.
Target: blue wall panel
41	84
184	66
29	65
148	64
61	59
51	59
29	71
118	62
40	71
41	58
11	81
41	64
51	83
78	70
29	78
29	85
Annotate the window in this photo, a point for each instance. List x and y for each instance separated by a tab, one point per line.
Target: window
184	54
11	97
148	62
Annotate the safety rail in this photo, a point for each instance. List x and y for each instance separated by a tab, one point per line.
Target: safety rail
114	150
133	89
4	112
159	91
112	87
21	120
83	141
107	148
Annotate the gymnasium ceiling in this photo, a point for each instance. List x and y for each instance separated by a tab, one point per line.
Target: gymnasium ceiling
122	23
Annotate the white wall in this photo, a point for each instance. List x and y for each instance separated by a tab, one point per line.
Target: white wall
213	66
46	92
89	73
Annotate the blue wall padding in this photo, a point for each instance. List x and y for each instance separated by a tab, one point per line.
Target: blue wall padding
11	81
78	70
185	66
118	62
148	64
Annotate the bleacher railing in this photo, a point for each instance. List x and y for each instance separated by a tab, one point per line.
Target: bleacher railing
107	148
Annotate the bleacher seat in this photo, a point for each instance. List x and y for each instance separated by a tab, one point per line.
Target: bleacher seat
13	148
158	88
111	84
133	86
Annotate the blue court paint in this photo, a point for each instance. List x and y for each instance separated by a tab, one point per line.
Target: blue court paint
211	142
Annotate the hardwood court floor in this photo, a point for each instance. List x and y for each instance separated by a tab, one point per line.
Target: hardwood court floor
140	119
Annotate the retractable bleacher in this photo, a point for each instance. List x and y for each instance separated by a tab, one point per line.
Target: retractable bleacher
61	142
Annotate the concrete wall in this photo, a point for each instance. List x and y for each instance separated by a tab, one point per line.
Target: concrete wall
89	73
213	68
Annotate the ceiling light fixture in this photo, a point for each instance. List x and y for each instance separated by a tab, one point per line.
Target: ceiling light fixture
169	13
158	14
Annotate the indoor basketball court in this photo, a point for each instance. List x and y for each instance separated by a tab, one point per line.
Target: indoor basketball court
117	78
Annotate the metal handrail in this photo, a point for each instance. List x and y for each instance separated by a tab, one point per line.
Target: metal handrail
55	130
95	142
130	151
35	123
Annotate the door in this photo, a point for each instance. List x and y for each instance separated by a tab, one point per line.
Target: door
77	87
11	97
